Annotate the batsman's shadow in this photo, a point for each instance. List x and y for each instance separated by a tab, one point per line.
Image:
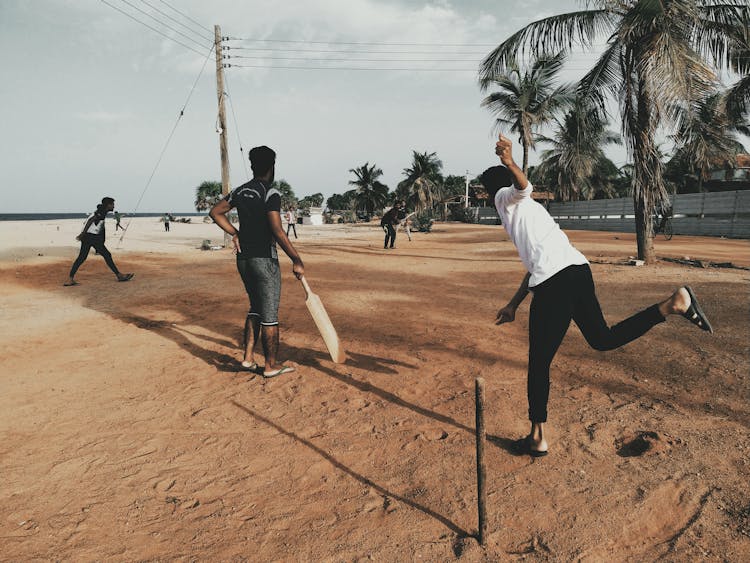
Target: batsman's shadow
357	360
358	476
503	443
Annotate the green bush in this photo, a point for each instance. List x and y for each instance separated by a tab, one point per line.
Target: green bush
461	213
422	221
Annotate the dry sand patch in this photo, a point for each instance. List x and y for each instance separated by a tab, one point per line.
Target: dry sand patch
128	432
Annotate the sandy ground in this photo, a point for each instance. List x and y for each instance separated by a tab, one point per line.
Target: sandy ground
129	433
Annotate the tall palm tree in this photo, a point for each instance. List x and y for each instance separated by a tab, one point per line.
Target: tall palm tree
659	54
576	162
527	101
423	183
370	193
207	195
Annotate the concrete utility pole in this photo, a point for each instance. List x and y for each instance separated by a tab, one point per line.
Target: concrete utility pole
466	201
222	121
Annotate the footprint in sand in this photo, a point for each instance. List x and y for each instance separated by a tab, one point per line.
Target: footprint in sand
639	444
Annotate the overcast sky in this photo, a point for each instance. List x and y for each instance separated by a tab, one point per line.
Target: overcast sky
89	96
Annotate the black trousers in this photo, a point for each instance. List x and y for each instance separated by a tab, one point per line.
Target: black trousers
390	235
570	295
88	242
293	227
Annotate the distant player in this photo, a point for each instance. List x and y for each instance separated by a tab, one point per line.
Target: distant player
92	236
560	279
389	222
118	218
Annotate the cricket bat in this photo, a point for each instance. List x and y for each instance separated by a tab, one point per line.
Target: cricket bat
323	322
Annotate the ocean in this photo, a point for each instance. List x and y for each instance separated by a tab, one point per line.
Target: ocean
54	216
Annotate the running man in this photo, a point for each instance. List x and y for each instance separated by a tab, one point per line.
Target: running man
92	236
560	279
118	218
258	205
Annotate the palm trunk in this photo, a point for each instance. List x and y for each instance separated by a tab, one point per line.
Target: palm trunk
525	159
648	180
644	230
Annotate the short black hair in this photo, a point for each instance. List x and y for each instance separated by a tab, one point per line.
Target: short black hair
262	159
496	177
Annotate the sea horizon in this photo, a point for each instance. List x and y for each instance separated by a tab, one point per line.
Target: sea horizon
82	215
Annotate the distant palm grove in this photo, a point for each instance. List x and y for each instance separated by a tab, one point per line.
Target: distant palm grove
660	66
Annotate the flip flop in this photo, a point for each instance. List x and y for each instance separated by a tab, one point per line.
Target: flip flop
523	447
70	283
125	277
695	314
281	370
250	366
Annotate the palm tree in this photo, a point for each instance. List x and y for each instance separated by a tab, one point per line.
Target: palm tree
207	195
288	199
576	163
370	193
703	140
527	101
657	57
736	102
423	183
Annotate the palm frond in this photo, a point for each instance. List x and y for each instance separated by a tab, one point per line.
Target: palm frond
555	34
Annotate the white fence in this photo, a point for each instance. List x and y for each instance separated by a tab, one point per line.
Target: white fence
713	214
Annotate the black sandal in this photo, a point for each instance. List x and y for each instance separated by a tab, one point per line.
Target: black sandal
695	314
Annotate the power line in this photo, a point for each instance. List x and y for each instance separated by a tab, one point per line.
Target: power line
152	28
176	21
353	60
169	139
236	128
185	16
164	24
362	52
354	68
363	43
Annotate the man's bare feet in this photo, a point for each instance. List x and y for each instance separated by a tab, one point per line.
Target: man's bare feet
677	304
535	439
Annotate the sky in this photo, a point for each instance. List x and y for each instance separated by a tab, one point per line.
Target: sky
90	98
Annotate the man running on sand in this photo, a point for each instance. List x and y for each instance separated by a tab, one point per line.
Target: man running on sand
560	279
92	236
258	205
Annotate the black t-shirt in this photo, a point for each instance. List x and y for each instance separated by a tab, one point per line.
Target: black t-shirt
390	218
253	201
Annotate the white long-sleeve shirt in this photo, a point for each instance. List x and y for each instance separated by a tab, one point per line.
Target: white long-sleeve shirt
542	246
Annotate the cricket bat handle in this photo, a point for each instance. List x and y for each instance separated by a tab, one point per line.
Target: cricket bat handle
308	291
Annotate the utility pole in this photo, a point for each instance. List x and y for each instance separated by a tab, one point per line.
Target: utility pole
222	120
466	200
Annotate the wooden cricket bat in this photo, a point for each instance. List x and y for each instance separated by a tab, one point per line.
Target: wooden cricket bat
324	324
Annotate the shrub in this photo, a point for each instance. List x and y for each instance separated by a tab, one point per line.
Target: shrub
422	221
463	214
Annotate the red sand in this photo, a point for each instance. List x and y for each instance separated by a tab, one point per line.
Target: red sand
128	434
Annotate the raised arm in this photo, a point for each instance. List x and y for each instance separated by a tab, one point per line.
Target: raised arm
504	149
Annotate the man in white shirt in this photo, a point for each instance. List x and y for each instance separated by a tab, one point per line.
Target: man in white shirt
560	278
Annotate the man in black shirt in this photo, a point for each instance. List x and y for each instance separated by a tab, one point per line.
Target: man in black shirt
258	205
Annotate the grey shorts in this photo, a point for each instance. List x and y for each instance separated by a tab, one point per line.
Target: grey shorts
262	279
